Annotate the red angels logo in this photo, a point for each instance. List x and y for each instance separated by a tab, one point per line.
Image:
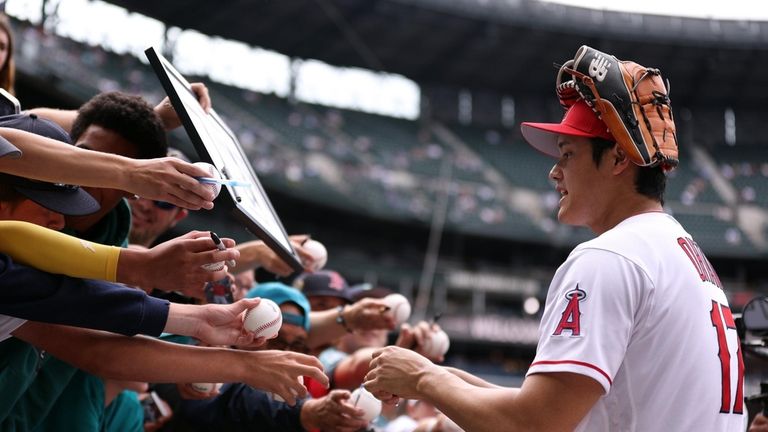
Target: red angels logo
571	318
335	281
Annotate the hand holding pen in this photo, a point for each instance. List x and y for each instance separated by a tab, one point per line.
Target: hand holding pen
220	246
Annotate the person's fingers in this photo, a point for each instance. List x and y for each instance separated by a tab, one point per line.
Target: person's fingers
315	373
279	267
243	305
228	242
206	252
244	338
347	409
376	354
201	91
339	395
299	238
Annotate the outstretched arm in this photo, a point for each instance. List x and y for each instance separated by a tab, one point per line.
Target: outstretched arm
147	359
165	179
173	265
545	402
256	253
365	314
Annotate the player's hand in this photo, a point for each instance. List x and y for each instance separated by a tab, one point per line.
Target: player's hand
368	314
395	372
759	424
168	115
332	412
176	264
278	372
166	179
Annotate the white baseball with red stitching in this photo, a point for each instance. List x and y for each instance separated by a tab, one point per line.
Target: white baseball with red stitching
264	320
212	172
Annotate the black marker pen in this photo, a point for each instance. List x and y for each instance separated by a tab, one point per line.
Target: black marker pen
220	246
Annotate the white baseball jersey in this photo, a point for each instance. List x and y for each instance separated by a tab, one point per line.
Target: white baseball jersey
640	310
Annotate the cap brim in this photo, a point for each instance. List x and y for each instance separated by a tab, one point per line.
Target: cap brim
543	136
69	203
327	293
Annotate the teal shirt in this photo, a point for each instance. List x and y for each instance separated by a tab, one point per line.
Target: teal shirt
19	362
79	408
113	229
124	414
30	386
49	383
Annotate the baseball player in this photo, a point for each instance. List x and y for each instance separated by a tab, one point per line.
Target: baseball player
636	335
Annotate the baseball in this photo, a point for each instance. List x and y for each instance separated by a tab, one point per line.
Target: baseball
363	399
318	252
436	345
264	320
399	307
205	387
213	173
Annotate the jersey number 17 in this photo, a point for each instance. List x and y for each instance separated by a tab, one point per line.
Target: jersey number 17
722	320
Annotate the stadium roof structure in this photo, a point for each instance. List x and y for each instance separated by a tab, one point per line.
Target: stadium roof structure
503	46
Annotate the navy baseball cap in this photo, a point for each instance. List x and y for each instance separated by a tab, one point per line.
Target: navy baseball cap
323	283
68	200
366	290
281	293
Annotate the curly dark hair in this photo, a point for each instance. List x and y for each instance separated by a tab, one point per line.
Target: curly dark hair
129	116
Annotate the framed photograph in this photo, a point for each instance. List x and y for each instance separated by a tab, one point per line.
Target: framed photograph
217	144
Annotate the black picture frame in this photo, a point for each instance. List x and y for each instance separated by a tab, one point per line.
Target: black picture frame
216	144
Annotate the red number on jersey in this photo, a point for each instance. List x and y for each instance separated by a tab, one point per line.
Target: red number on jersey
722	319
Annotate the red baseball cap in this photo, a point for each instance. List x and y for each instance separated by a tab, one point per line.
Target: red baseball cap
579	120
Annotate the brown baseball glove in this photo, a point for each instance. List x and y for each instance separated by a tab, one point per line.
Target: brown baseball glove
631	99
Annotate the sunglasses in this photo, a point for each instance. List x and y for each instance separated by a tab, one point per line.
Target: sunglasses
164	205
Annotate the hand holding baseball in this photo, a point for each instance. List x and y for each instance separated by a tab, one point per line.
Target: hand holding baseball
318	254
333	411
426	339
214	324
369	314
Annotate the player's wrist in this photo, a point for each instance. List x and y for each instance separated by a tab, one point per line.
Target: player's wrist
428	378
